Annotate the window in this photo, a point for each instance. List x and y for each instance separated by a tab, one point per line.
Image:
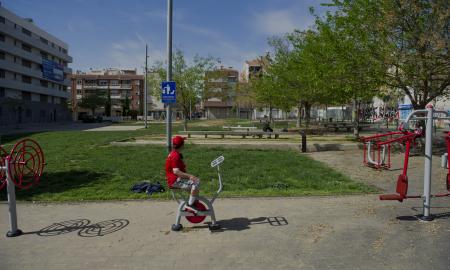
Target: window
26	32
43	98
2	92
53	45
2	38
103	82
2	73
25	47
43	40
2	19
64	51
114	82
26	95
64	88
79	82
44	83
26	79
26	63
79	92
28	113
91	82
44	55
2	55
42	113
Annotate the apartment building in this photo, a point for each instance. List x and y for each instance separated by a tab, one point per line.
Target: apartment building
254	68
33	73
119	85
220	92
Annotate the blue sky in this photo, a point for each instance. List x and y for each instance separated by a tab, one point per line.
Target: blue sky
113	33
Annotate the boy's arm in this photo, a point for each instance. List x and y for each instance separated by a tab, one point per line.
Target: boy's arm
182	174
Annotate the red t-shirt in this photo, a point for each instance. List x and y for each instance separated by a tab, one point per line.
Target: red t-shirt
174	160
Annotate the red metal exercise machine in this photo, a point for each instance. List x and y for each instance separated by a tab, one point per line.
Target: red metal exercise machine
22	168
402	180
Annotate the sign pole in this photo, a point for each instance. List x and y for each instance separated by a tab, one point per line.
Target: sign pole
169	74
145	88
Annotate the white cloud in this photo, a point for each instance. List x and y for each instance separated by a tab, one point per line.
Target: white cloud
130	53
277	22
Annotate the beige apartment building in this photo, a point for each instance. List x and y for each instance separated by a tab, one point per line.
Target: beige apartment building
118	84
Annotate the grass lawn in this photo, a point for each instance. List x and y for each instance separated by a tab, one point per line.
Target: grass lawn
84	166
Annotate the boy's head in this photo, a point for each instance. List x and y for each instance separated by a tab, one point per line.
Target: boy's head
178	142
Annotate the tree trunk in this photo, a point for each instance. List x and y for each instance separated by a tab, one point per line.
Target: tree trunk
270	113
185	122
355	119
307	113
299	115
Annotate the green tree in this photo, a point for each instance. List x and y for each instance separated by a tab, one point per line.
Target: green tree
189	78
126	106
92	101
407	39
108	104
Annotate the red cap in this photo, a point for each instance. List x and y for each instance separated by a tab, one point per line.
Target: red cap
178	140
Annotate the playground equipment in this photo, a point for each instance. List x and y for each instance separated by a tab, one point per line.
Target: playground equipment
205	205
22	168
377	147
402	181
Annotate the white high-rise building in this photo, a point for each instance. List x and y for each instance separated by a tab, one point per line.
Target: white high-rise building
33	73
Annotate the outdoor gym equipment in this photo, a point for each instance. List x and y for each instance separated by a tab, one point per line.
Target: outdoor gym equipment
377	148
23	167
402	181
205	205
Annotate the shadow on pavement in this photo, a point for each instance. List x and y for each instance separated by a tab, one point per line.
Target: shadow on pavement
84	228
242	223
442	215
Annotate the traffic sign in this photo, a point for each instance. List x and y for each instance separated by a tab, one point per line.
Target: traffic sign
168	92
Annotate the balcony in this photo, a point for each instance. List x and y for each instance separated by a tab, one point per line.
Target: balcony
35	42
33	88
32	72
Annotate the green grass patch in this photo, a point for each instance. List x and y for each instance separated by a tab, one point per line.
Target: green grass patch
84	166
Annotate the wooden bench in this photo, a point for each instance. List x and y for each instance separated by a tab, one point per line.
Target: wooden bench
238	127
242	134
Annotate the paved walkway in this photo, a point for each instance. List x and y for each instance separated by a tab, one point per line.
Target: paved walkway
116	128
352	232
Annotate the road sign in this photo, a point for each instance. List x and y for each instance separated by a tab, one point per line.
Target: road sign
168	92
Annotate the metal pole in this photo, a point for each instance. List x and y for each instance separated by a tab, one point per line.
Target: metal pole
169	74
145	88
428	159
14	231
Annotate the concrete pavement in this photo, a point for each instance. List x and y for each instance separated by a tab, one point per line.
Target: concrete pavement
349	232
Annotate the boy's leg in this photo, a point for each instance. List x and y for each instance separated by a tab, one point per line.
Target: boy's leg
195	189
189	185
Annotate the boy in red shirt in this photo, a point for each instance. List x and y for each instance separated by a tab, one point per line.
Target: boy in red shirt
176	173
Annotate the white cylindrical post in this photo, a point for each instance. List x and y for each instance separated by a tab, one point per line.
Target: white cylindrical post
428	160
14	231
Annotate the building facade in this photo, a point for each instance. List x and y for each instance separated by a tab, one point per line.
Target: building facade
33	73
118	85
254	68
220	93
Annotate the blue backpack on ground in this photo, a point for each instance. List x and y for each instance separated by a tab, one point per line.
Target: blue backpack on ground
147	187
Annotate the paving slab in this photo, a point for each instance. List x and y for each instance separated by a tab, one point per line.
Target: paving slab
347	232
